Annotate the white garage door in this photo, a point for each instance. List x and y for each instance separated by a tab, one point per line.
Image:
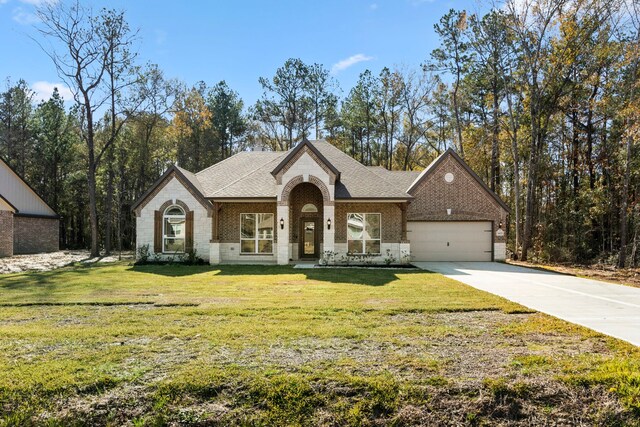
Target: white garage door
450	240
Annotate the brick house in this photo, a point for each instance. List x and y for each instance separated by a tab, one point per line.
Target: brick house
27	223
284	206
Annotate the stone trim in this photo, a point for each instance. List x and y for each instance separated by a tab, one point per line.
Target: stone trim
293	182
163	182
305	149
168	203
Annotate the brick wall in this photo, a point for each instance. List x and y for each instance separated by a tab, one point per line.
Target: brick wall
33	235
301	195
466	198
391	218
6	233
230	219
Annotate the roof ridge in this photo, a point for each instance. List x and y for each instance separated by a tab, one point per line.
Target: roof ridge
253	171
231	157
324	141
364	169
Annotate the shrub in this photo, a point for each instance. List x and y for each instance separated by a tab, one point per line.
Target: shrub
143	254
389	259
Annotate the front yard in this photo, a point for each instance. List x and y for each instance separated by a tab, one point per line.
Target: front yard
247	345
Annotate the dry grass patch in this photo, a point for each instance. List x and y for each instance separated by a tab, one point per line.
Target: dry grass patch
275	346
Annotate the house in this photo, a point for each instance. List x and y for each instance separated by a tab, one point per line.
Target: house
27	223
277	207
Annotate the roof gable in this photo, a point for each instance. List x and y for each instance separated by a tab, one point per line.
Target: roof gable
185	177
293	154
20	195
451	153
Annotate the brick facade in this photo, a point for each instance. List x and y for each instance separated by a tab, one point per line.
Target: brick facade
33	235
301	195
229	219
391	219
466	198
6	233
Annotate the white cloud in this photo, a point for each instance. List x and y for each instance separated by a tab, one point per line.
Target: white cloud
348	62
373	6
38	2
23	17
44	89
3	2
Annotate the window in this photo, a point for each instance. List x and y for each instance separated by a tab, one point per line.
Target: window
173	229
256	233
363	233
309	207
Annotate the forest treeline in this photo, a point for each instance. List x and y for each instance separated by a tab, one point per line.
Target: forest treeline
540	97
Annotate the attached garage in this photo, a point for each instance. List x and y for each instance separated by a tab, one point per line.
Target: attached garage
450	240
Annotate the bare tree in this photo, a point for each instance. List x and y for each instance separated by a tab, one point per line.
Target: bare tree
91	55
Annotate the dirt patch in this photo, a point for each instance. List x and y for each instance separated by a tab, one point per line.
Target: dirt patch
607	273
52	261
447	369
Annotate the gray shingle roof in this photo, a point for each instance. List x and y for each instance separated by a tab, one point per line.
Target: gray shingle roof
356	180
248	175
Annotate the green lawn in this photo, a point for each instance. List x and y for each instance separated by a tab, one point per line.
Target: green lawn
267	345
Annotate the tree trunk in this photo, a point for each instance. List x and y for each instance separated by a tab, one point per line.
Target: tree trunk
624	205
108	205
495	143
531	182
457	115
93	208
634	248
516	189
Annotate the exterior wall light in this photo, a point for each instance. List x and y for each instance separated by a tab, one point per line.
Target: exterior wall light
281	223
329	224
448	211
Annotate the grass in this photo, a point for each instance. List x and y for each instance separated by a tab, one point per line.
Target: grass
268	345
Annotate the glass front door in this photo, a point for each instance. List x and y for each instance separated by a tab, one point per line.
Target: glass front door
309	239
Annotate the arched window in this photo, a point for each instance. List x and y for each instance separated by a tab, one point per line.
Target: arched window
309	207
173	229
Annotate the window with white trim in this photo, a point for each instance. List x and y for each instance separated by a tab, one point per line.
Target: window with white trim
363	233
173	229
256	233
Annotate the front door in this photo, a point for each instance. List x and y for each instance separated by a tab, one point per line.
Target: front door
309	242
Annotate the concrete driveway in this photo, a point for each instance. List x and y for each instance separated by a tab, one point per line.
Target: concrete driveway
604	307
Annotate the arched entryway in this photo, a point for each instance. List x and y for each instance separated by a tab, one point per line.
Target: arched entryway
306	207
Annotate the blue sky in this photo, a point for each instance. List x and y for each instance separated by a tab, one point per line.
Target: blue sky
239	41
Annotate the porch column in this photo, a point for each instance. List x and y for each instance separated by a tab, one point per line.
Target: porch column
214	243
283	234
329	235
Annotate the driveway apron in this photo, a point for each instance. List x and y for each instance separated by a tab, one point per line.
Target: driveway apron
611	309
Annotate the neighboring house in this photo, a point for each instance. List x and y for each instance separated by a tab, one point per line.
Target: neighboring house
279	206
27	223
